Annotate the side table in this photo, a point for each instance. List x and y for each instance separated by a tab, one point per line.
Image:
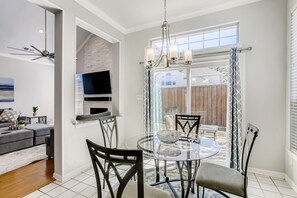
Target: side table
41	119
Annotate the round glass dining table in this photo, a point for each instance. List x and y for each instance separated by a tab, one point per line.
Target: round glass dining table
184	152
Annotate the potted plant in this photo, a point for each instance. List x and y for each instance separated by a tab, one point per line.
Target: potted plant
35	110
21	124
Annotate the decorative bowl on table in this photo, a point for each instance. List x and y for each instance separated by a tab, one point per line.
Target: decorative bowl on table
169	136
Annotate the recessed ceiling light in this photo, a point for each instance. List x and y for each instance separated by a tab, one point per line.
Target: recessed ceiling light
41	31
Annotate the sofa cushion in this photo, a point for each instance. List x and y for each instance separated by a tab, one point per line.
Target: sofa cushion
15	135
9	116
1	110
5	124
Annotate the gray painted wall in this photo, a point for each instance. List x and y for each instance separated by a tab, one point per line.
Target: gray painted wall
70	146
262	26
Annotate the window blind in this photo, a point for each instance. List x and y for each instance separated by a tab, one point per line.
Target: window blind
293	82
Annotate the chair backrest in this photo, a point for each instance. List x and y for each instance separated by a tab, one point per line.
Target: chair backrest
250	137
133	158
187	123
109	130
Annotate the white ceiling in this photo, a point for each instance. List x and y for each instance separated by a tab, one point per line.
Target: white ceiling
134	15
19	25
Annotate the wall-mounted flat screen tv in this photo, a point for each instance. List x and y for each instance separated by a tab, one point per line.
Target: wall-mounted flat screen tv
97	83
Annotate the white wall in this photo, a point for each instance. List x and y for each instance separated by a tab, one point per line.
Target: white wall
262	26
291	158
33	86
71	155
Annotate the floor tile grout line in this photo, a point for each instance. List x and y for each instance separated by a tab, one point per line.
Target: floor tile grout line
276	187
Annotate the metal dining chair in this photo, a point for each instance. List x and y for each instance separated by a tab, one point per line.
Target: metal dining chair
109	129
220	178
126	187
189	124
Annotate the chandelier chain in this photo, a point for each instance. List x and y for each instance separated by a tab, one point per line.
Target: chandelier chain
165	11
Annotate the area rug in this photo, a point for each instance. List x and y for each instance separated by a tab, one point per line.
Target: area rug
17	159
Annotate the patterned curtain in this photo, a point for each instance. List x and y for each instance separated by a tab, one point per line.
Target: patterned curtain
147	93
234	123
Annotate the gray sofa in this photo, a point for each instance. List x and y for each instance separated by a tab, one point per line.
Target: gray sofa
32	135
41	131
15	140
50	143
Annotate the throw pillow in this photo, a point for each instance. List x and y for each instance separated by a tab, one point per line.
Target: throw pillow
9	116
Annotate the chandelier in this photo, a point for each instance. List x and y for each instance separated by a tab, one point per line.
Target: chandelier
169	53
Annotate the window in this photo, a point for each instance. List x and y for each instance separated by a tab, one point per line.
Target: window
208	38
293	83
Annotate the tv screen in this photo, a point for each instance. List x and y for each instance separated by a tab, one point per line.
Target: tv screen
97	83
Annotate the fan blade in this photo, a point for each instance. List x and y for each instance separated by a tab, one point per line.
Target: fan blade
52	55
51	60
36	49
25	54
36	58
20	50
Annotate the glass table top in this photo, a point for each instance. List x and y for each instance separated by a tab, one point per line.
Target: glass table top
185	149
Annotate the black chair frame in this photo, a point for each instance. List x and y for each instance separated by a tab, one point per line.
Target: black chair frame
190	121
134	158
244	166
109	129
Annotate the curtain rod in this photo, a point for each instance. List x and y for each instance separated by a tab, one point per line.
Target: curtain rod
224	52
240	50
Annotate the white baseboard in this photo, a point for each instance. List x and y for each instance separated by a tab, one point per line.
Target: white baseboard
291	183
57	177
72	174
267	172
276	175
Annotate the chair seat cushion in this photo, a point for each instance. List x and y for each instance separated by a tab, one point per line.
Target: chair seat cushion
221	178
130	191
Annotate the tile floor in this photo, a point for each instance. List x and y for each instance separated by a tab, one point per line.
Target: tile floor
84	185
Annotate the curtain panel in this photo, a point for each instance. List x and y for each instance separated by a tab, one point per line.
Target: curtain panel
148	103
234	122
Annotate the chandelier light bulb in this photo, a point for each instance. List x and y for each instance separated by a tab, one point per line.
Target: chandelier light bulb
173	52
188	56
150	54
168	53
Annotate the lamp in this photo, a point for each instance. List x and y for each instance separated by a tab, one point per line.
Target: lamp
168	53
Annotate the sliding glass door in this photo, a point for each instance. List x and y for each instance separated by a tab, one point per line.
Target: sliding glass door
193	90
169	97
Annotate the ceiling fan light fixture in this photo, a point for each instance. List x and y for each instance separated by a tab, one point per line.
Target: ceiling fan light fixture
34	51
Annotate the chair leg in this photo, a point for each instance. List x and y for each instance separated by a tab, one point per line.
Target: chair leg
103	177
165	168
197	191
203	192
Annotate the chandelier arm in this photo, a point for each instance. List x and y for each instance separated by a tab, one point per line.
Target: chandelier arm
168	38
45	30
157	63
159	59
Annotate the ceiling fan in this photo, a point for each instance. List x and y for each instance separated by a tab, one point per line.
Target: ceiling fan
33	51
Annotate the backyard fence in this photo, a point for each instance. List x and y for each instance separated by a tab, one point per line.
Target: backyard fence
210	101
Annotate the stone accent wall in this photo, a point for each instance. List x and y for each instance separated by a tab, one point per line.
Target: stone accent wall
95	56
